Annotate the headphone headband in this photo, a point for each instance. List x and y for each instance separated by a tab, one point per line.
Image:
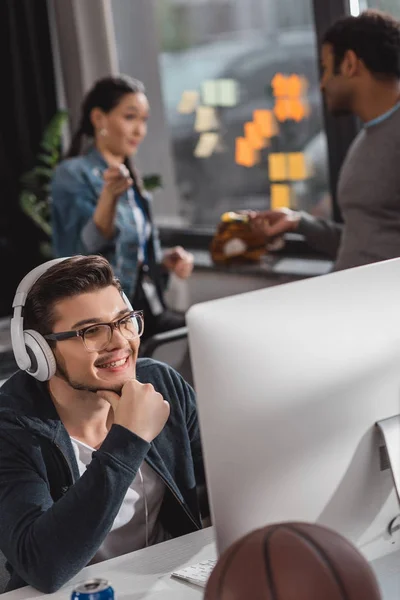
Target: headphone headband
30	279
31	351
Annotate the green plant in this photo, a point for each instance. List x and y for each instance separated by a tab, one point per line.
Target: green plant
152	182
35	184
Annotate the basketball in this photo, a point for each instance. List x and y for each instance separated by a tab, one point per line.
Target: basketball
292	561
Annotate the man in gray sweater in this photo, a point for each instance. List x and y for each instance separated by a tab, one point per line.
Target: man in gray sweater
361	76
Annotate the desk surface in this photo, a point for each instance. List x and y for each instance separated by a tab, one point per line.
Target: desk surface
146	574
142	575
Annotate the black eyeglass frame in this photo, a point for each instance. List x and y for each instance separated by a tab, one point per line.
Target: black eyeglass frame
67	335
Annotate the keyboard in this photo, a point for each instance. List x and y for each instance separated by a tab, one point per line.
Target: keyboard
197	574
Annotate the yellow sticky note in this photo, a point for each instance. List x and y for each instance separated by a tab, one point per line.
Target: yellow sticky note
278	167
209	92
266	122
280	196
206	145
252	134
228	92
188	102
206	119
245	154
297	166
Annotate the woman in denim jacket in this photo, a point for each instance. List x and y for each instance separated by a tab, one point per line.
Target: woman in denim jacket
100	207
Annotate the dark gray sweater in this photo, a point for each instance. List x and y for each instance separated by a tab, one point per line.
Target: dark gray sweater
369	199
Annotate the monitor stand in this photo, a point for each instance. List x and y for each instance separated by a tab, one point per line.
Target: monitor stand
387	568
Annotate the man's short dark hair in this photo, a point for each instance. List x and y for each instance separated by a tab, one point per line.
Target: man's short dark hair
374	36
71	277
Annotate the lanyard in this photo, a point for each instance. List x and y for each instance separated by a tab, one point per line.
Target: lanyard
141	223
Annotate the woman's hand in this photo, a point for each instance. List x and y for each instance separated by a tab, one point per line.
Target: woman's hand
179	261
116	182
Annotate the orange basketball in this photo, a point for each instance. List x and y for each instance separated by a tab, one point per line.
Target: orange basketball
292	561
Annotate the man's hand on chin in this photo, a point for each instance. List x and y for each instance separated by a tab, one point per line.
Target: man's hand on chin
139	408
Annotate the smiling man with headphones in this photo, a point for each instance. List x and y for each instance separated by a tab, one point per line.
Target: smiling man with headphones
99	452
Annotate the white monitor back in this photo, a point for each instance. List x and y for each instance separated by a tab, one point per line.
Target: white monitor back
290	382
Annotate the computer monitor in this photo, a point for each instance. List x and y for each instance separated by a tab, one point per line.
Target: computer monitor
291	381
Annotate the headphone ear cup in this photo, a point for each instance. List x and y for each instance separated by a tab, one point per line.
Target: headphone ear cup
43	362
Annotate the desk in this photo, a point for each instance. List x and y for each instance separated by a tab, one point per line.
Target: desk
144	574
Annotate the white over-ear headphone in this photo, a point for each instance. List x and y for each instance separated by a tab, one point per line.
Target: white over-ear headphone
32	352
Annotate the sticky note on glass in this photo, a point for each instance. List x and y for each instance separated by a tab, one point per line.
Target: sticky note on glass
266	123
206	119
278	167
298	110
188	102
280	85
220	92
297	166
206	145
282	109
280	196
209	92
245	154
253	135
228	92
295	86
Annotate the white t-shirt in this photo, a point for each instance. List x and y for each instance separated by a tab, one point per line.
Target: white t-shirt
128	532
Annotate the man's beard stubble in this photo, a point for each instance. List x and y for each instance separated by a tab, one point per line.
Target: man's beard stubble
62	373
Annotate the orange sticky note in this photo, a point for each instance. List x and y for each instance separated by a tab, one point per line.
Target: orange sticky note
245	155
280	85
297	166
295	86
277	167
266	122
253	135
282	109
280	196
297	110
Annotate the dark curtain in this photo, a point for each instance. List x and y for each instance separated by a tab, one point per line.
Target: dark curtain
28	103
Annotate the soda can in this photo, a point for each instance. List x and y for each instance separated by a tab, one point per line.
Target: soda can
93	589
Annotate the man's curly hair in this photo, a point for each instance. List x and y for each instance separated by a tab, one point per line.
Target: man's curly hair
374	36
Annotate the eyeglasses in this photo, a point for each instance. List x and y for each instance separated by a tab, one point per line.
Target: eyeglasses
97	337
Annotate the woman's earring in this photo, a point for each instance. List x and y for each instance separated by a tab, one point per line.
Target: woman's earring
103	131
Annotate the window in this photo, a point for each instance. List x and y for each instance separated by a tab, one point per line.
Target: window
243	106
390	6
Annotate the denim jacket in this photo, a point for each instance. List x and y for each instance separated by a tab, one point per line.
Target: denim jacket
76	186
